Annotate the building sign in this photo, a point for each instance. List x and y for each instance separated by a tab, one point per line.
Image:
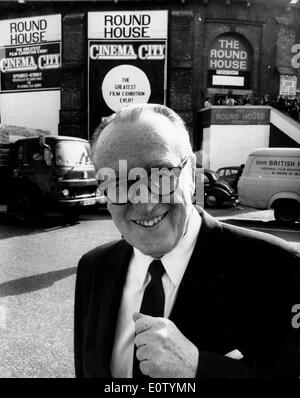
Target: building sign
125	84
30	53
289	167
288	86
243	115
229	62
126	60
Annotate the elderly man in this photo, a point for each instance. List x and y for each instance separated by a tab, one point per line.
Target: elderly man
172	298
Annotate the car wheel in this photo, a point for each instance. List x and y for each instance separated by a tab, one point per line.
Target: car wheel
211	200
286	213
27	211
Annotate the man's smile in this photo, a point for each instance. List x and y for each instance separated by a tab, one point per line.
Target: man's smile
150	222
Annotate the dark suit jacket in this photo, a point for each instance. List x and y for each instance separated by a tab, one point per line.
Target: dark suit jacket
237	293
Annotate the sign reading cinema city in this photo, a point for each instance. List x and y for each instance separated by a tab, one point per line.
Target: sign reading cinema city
229	62
126	60
30	53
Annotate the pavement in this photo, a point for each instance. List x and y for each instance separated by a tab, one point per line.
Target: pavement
37	282
242	213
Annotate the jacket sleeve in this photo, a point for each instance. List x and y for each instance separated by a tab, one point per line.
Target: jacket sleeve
212	365
79	320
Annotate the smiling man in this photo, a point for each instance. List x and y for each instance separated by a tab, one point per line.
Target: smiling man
167	300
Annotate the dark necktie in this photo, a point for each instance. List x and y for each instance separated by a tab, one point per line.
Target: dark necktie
153	304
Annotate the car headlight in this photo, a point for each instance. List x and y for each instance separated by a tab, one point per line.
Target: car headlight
65	192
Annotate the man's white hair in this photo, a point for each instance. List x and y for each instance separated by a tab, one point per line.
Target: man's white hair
132	113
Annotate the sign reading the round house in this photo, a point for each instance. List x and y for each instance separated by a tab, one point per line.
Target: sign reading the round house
229	62
127	60
229	53
30	53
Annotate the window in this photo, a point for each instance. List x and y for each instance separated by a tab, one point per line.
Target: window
20	153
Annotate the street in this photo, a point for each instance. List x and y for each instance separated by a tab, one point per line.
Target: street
37	278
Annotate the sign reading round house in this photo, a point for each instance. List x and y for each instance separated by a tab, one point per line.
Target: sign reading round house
30	53
236	115
127	60
229	62
230	54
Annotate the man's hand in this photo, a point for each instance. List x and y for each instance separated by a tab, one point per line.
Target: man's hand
162	349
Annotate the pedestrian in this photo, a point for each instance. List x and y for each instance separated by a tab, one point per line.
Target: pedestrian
246	100
266	100
237	177
255	100
218	100
281	103
207	102
171	299
230	101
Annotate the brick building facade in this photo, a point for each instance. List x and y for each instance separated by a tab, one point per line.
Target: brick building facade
270	29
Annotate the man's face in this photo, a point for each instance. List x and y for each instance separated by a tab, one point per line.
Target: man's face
152	141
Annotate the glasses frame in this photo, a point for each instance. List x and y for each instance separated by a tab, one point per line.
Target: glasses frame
181	166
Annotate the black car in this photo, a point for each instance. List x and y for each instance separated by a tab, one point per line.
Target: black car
228	174
216	190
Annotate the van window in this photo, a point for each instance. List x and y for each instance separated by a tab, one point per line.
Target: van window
71	153
34	154
20	153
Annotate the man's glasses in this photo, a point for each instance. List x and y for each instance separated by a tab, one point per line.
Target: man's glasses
159	182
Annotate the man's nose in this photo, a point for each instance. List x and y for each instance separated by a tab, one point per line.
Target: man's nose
146	203
144	209
143	194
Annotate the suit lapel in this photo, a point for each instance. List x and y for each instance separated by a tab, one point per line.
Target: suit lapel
111	289
200	311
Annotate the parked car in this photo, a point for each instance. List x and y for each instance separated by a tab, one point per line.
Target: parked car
216	190
47	173
228	174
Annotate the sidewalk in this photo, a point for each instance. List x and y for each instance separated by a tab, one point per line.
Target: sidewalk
241	213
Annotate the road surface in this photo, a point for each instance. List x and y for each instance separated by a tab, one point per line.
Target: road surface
37	279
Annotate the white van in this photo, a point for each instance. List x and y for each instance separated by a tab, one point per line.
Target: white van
271	179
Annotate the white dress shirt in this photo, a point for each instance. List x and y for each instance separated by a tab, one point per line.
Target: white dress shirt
175	263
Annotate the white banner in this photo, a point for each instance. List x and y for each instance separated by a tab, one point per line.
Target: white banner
288	86
30	30
135	25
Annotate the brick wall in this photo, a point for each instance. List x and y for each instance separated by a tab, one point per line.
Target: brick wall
73	115
192	28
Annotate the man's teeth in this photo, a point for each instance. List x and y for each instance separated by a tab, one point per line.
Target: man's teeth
150	223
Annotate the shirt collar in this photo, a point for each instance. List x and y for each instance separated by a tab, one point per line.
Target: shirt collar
174	262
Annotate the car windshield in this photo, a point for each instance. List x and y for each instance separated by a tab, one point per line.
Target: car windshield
72	153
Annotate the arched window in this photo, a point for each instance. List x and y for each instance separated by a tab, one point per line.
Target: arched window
230	62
